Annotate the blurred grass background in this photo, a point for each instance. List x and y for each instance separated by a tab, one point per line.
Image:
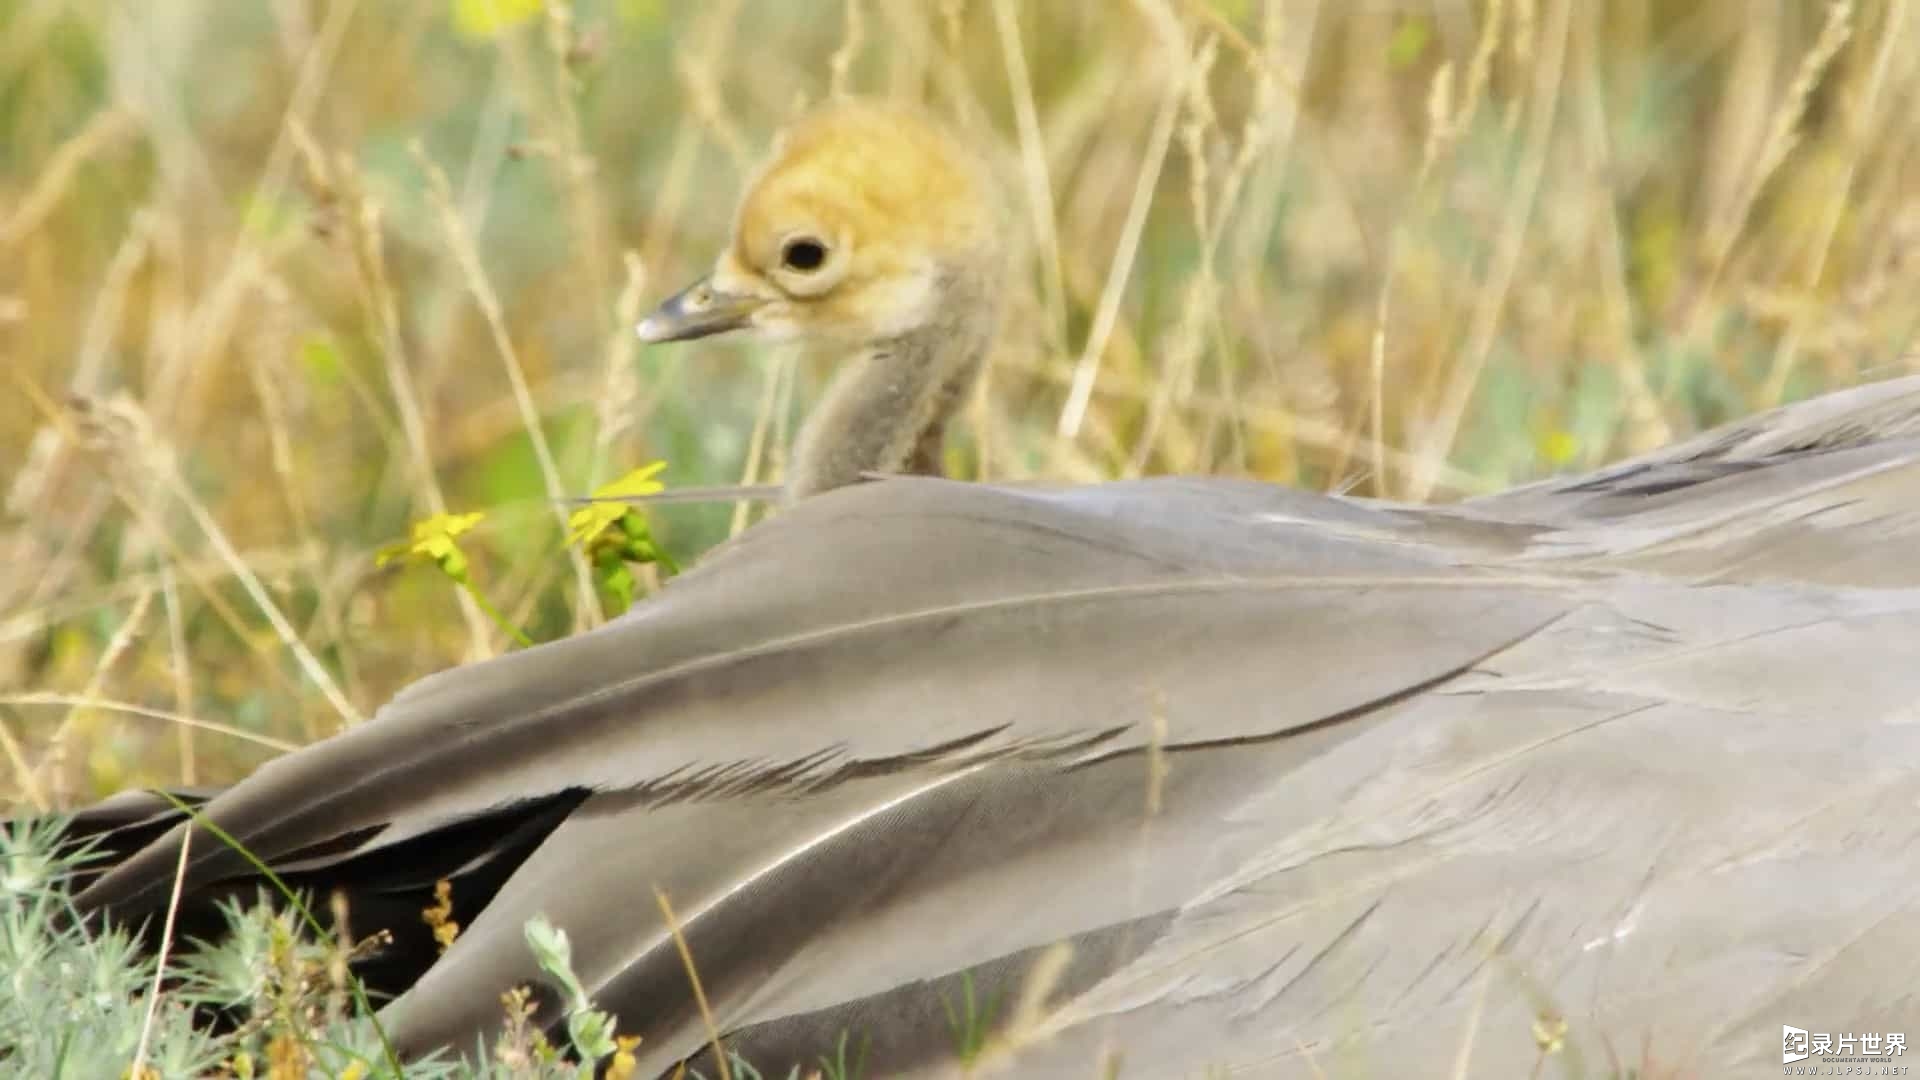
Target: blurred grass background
279	277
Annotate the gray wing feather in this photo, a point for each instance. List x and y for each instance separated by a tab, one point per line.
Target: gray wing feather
1667	864
1634	749
884	633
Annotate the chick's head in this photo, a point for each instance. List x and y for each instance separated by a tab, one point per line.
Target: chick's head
864	220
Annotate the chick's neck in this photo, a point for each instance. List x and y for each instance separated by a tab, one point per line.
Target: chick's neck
886	410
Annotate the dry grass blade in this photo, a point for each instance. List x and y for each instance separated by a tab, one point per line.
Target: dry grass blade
1643	423
23	771
77	701
58	746
1446	122
1495	290
775	387
143	455
460	242
698	70
367	245
1463	1057
257	592
139	1066
1860	113
1086	370
100	135
182	668
1779	140
1033	168
1316	434
840	64
618	403
693	980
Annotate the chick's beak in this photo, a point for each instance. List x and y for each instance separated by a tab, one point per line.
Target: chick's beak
695	312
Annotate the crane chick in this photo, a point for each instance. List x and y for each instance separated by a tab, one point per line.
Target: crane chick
874	230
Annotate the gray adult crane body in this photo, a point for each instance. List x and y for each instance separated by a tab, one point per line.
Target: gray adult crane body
1192	774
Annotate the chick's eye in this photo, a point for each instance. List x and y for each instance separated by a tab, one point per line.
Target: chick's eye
803	254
